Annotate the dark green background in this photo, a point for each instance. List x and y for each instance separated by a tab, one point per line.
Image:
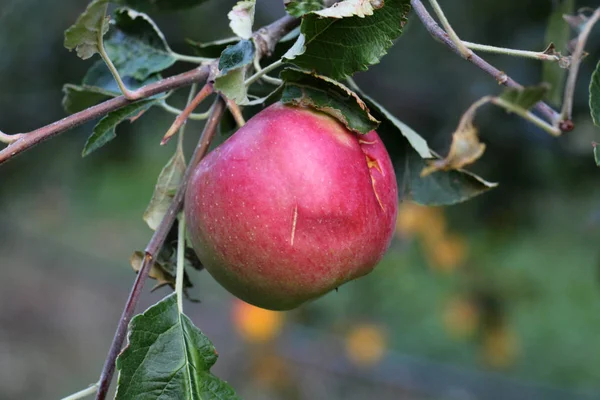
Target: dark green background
68	226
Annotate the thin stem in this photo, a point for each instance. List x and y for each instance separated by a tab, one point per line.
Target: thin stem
191	59
190	98
83	393
236	112
434	29
554	131
512	52
154	246
180	262
130	95
8	139
567	109
464	51
182	118
176	111
264	71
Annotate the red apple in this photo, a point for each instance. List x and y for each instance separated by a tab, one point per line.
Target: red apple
292	206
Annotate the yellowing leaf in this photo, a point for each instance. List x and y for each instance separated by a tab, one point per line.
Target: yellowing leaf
168	182
255	324
351	8
465	148
157	271
241	18
365	345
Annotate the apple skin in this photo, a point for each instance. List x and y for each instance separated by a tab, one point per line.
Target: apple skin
291	206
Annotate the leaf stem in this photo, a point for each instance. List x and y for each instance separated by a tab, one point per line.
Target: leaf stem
578	54
523	113
512	52
180	262
463	49
154	246
83	393
206	90
176	111
437	32
129	95
263	72
191	59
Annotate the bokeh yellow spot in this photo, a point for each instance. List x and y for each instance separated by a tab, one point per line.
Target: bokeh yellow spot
446	254
256	324
414	219
500	348
461	317
366	344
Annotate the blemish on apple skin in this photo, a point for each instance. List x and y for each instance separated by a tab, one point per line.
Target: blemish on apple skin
294	220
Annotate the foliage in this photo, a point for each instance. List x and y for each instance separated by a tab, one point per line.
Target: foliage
166	352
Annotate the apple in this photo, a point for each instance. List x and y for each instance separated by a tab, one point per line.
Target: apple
291	206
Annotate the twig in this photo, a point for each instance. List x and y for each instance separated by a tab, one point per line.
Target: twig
4	138
567	109
82	393
235	111
28	140
438	33
464	51
154	247
266	38
181	118
536	55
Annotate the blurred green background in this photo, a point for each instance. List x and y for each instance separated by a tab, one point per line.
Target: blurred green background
496	298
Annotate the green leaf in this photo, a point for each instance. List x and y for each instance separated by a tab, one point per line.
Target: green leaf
298	8
595	95
104	131
136	46
436	189
326	95
557	32
338	45
168	182
78	98
241	18
85	34
159	5
98	85
232	66
526	97
597	153
168	357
